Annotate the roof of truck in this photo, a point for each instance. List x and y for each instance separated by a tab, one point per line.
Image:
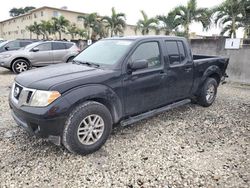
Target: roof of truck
145	37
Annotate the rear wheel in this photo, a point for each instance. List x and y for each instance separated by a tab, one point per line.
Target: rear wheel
87	128
208	92
20	65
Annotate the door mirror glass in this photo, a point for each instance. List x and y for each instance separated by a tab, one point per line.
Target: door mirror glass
138	64
35	49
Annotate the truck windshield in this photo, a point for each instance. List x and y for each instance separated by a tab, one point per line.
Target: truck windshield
105	52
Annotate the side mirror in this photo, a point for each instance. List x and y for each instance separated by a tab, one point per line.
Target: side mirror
138	64
6	48
35	49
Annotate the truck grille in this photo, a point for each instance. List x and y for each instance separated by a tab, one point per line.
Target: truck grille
21	95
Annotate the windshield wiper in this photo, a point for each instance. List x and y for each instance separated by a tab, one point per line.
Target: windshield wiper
90	64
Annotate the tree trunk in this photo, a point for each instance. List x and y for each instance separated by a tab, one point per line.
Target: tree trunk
233	27
60	35
112	32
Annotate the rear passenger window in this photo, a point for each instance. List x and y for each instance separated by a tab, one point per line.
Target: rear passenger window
58	46
181	50
44	46
13	44
148	51
176	52
24	43
68	45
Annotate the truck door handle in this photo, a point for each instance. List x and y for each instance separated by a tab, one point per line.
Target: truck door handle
188	69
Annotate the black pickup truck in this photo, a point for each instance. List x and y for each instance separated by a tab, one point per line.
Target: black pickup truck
114	81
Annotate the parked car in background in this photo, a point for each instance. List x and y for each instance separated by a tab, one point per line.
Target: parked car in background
39	54
11	45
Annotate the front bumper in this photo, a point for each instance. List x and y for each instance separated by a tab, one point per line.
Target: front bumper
46	122
6	63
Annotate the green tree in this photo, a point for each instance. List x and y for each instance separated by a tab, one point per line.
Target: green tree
229	15
46	29
246	18
146	24
116	22
60	24
168	24
82	33
19	11
34	28
89	20
73	30
185	15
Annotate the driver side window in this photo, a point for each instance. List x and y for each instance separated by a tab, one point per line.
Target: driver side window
148	51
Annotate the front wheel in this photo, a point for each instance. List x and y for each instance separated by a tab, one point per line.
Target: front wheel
87	128
208	92
20	65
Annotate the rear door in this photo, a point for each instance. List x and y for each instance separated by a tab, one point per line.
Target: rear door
59	52
43	56
179	70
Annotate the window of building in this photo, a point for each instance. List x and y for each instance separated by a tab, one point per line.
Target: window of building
148	51
35	16
42	13
55	14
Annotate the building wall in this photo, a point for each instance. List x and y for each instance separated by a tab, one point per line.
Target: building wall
239	63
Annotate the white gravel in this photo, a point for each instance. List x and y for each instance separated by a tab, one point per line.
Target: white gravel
190	146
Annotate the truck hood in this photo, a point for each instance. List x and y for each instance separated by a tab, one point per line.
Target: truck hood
61	77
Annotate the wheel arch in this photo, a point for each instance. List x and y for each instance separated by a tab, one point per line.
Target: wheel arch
17	58
97	93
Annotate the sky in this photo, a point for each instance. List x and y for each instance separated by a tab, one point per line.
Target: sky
130	7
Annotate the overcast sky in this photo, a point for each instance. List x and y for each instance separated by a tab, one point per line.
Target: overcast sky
130	7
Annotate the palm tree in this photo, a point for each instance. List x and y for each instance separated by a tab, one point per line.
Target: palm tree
246	18
229	15
60	24
185	15
46	28
100	29
82	33
168	23
89	20
116	23
145	24
30	28
34	28
72	30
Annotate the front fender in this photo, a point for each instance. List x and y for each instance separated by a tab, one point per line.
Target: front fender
99	93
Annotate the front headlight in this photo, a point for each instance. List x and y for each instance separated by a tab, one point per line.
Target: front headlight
4	56
44	98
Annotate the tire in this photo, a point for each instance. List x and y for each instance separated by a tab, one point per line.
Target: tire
208	92
70	59
78	137
20	65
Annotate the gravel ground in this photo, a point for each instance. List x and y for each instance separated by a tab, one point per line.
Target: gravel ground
190	146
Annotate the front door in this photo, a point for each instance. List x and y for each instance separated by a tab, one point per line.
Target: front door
41	54
143	88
